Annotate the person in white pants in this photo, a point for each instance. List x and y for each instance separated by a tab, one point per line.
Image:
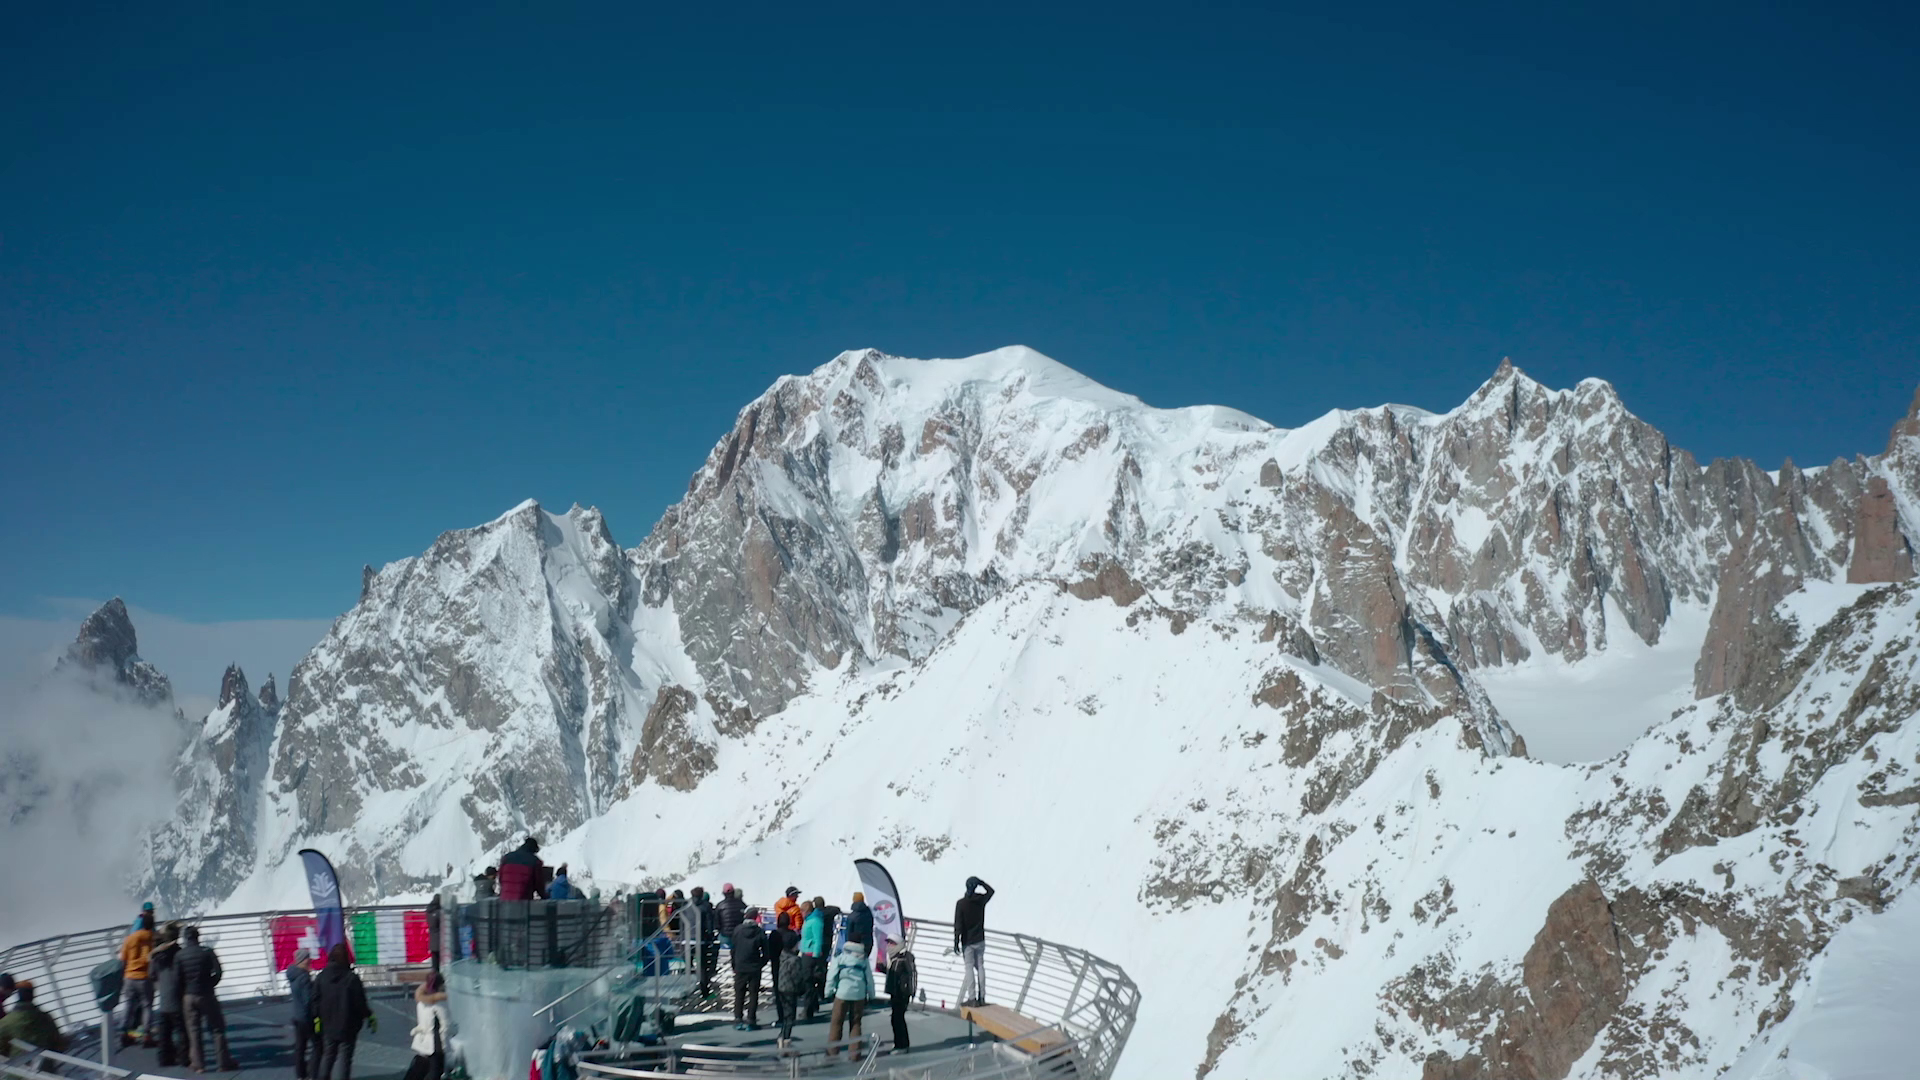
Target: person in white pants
970	940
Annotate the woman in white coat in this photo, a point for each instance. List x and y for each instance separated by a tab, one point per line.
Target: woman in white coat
431	1027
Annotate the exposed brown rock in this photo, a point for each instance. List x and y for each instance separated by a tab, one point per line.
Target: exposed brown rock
1572	981
668	752
1109	579
1880	553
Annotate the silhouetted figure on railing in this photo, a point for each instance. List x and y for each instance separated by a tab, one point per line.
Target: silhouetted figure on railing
199	978
341	1002
970	940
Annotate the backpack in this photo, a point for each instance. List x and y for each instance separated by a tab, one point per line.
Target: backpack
903	978
107	977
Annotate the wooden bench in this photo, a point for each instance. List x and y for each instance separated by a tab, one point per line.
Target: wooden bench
1014	1029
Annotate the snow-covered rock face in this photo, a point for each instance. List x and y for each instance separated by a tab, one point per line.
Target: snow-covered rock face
108	650
1227	676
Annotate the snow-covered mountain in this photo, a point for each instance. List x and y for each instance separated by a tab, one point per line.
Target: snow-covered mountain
1219	700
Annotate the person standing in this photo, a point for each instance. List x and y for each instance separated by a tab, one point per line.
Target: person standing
199	977
749	957
903	978
851	980
791	980
813	953
300	1002
340	999
168	1000
709	936
970	940
522	874
860	922
729	912
786	908
561	888
430	1027
136	974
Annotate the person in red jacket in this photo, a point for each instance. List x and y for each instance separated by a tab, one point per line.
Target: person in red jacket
522	874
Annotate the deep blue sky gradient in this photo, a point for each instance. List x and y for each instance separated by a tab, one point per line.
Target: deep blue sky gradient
285	293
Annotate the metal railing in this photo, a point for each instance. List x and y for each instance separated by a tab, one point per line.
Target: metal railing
1091	1001
60	967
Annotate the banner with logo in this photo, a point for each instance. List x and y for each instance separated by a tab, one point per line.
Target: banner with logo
884	898
330	924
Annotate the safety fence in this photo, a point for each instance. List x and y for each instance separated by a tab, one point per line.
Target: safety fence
388	942
1090	1001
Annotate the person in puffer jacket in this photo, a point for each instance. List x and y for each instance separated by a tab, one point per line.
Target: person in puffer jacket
790	985
300	1009
432	1025
340	999
850	980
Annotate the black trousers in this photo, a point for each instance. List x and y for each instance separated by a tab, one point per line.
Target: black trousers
785	1006
173	1039
428	1066
709	964
746	997
305	1048
336	1048
899	1005
816	984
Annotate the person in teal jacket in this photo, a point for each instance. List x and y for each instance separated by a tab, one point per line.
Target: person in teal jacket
813	949
850	980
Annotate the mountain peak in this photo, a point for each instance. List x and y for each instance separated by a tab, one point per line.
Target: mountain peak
269	694
107	647
233	686
1909	425
106	638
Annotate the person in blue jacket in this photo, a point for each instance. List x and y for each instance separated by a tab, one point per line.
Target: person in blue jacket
813	953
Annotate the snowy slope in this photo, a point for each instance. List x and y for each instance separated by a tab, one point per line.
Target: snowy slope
1219	700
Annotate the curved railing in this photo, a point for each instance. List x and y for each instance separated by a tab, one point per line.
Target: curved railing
1086	998
1089	1000
249	950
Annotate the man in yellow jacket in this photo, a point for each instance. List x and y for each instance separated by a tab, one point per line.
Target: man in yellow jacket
136	969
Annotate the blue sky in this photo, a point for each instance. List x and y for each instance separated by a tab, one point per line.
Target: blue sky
285	293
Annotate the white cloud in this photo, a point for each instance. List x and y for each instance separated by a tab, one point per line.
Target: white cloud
193	655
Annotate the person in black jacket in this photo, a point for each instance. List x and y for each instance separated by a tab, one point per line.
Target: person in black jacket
709	932
729	911
860	922
903	978
749	958
970	940
167	998
200	973
300	998
340	1000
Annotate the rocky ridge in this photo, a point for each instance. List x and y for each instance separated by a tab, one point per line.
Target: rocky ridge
882	528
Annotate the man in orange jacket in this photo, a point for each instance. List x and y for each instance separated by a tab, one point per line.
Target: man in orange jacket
136	972
786	910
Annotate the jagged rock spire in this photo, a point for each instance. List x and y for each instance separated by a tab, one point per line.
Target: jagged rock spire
269	694
233	686
108	649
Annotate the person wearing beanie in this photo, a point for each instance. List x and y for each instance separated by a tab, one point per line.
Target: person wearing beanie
970	940
300	1003
860	922
30	1024
786	910
749	959
136	974
340	999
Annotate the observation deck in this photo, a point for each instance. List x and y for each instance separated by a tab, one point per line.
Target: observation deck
616	997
